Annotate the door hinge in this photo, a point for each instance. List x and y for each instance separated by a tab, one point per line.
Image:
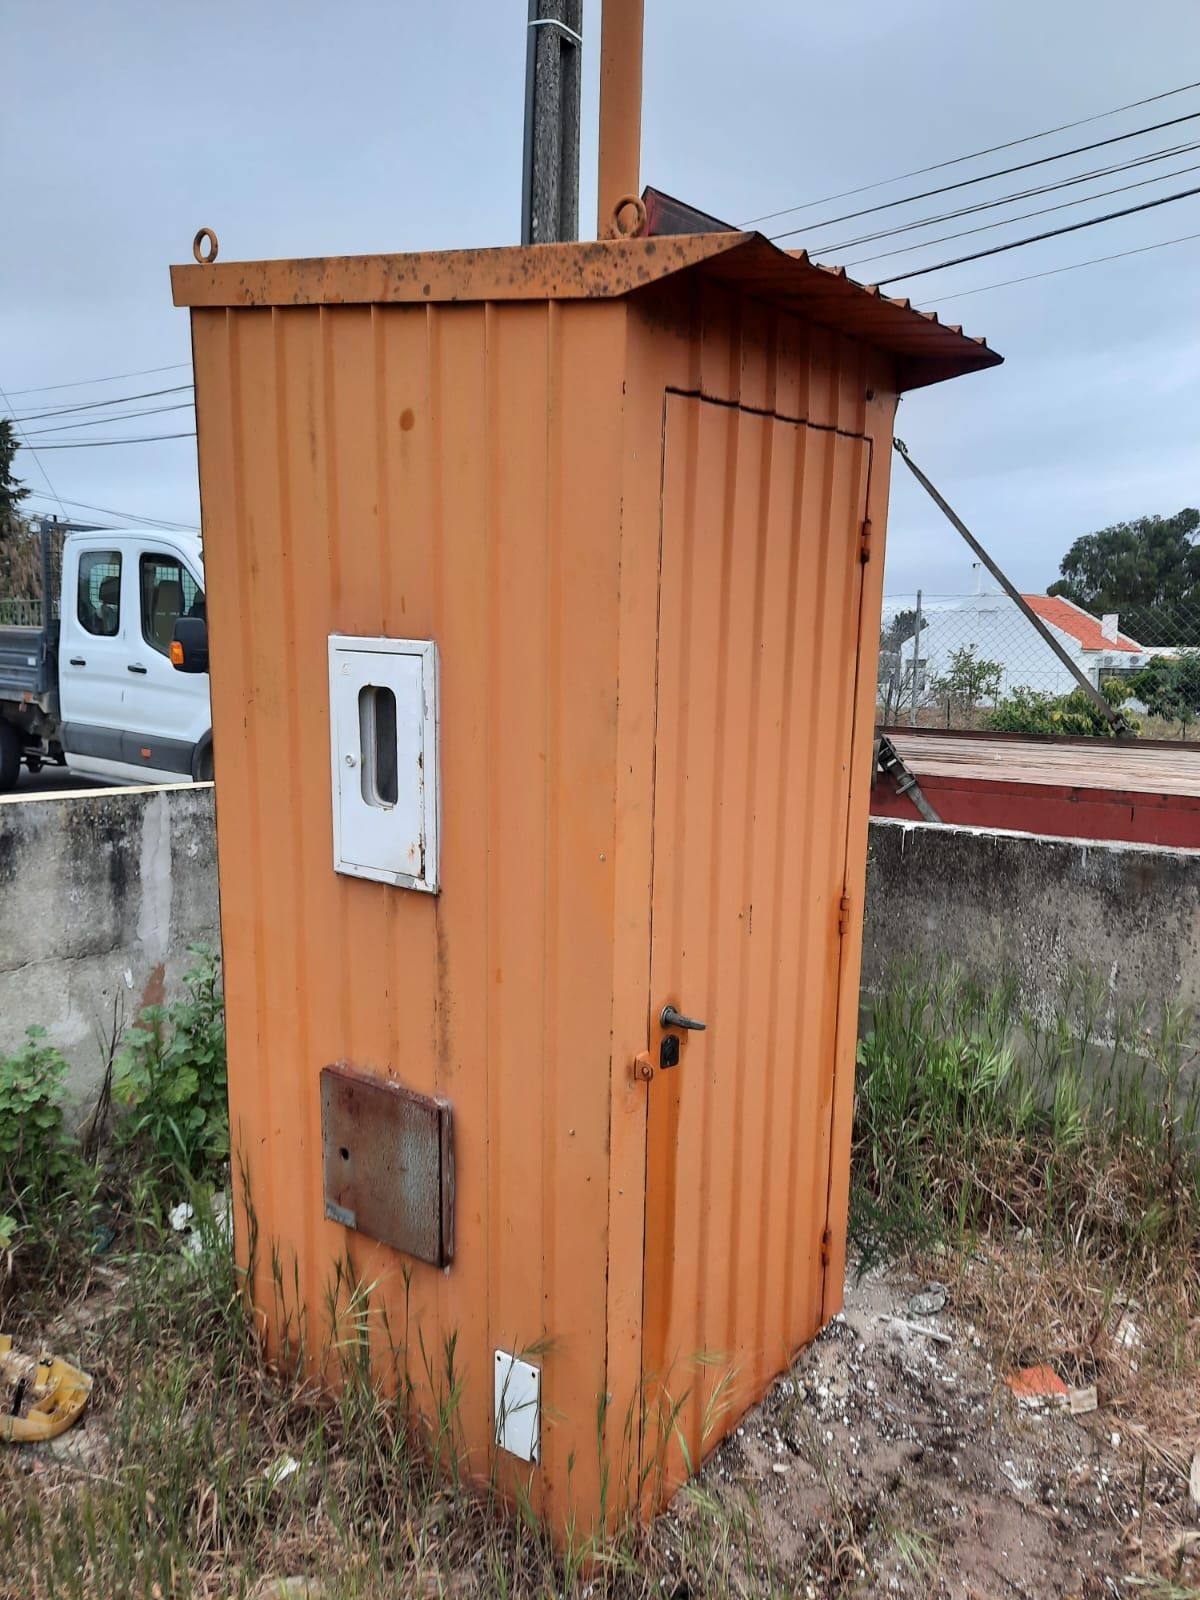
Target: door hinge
864	540
844	914
826	1246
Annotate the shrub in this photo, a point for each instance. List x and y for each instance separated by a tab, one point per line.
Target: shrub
1026	710
37	1160
171	1078
40	1165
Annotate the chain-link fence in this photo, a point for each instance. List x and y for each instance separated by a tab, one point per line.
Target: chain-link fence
978	662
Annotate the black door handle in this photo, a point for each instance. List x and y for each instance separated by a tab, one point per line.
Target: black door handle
670	1018
134	667
78	661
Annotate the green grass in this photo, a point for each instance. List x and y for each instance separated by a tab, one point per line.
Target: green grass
971	1117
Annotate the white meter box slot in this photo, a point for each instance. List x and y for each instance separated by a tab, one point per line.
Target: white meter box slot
383	734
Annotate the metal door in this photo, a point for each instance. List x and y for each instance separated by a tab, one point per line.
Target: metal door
759	622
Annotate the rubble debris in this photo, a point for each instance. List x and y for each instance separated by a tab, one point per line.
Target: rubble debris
1037	1386
917	1327
931	1299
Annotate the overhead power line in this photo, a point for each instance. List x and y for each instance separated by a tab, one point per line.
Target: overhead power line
1051	233
100	422
1075	266
36	458
893	231
96	405
1024	216
95	444
975	155
986	177
167	523
112	377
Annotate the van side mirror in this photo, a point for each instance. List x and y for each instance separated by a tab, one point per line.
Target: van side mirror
189	645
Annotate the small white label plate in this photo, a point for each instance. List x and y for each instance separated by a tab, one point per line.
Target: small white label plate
518	1406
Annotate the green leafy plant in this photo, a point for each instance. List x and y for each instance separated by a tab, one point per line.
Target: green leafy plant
171	1078
1027	710
971	678
38	1162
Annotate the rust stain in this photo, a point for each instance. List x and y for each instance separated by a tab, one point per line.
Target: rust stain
154	992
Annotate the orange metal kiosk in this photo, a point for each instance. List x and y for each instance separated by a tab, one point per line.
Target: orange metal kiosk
544	601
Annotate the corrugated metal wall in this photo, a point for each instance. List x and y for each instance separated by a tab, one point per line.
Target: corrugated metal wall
405	471
492	477
757	655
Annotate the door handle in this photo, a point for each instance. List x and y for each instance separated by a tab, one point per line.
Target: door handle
78	661
670	1018
136	666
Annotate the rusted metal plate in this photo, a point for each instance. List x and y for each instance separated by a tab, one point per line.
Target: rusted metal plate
389	1163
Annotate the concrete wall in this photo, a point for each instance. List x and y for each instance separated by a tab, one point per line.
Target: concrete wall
101	892
1038	911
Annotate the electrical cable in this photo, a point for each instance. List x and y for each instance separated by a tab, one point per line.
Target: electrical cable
1007	199
112	377
1051	233
1052	272
34	454
100	422
1023	216
95	444
166	523
975	155
95	405
986	177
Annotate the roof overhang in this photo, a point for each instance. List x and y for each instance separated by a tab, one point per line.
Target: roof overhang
925	349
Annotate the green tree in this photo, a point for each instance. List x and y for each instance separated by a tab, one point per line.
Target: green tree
1151	562
1169	687
971	678
12	490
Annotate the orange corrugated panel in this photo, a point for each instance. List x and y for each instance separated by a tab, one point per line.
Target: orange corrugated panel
625	500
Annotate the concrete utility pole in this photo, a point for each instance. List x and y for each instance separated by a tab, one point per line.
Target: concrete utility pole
620	155
550	187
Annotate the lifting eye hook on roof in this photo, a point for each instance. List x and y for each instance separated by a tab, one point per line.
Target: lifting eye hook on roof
205	236
620	225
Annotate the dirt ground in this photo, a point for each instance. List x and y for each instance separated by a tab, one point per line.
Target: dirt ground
893	1462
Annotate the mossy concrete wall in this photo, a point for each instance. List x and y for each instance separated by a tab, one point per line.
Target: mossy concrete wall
1050	916
101	893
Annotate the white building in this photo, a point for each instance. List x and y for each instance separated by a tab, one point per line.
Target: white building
996	629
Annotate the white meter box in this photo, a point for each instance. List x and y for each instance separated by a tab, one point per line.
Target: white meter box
383	734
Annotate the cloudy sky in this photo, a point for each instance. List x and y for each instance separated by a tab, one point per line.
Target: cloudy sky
302	129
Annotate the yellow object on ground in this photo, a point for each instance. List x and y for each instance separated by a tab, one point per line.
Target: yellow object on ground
56	1393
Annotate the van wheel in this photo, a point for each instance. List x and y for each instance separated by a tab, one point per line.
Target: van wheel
202	761
10	757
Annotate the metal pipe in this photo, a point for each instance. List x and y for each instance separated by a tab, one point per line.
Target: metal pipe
1119	725
620	153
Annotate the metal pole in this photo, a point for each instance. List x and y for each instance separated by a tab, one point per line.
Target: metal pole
620	154
912	716
1119	724
553	81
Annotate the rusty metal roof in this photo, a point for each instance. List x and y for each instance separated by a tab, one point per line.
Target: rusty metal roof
926	350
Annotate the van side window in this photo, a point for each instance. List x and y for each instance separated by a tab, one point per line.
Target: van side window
98	603
168	592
